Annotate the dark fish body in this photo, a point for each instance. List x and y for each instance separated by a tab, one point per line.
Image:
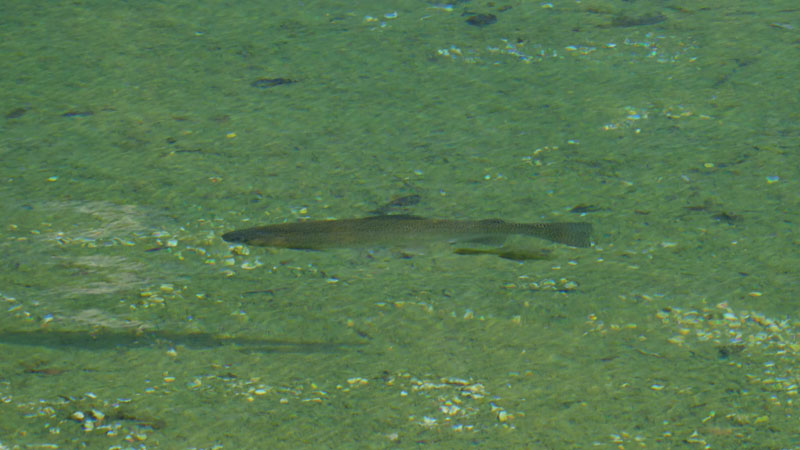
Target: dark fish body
395	230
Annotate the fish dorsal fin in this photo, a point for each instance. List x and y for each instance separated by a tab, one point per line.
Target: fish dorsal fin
492	221
394	217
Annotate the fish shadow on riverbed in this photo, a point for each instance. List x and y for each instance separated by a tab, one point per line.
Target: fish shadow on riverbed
109	339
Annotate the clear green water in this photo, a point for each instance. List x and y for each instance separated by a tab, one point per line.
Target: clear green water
132	138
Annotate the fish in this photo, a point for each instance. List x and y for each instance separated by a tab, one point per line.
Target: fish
403	230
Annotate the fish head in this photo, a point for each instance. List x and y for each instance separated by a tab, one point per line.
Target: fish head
272	236
235	237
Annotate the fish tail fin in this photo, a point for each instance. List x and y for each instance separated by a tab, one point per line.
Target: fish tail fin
575	234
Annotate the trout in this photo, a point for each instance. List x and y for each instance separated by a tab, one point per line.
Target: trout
403	230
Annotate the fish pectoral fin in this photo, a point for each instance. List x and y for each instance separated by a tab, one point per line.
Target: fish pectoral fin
525	255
